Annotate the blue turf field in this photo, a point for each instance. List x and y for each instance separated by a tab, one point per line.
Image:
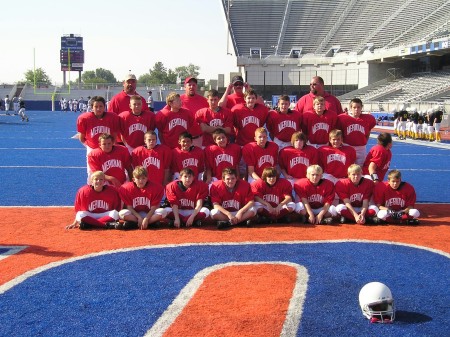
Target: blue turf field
42	166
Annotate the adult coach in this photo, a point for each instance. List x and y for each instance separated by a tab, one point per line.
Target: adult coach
317	88
121	102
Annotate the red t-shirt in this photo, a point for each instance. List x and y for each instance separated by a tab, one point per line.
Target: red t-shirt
404	196
355	131
272	194
305	103
193	104
219	119
193	159
92	127
171	124
112	163
345	189
234	99
246	121
381	157
260	157
317	195
186	199
141	199
296	161
121	102
133	128
155	160
318	128
335	161
283	126
87	199
218	158
233	200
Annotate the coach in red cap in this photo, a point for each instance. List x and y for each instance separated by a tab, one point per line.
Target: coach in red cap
121	102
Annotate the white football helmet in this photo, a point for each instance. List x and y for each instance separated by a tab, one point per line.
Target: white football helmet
377	303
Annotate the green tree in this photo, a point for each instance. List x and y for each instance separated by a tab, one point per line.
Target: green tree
100	75
158	75
186	71
39	76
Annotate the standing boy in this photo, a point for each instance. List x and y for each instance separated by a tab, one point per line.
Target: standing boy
220	156
135	123
283	122
156	158
356	128
259	154
318	124
336	157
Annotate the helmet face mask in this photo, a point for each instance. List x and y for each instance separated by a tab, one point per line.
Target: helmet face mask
377	303
382	312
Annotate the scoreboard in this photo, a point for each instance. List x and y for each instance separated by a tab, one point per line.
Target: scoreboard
71	53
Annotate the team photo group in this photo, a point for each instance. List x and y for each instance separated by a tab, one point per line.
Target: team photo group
231	160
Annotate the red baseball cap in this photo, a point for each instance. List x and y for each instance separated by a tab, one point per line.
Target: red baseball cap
188	79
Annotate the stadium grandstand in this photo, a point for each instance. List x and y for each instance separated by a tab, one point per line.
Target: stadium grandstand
387	52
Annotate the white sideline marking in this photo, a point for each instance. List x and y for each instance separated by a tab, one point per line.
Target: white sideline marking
293	315
21	278
11	251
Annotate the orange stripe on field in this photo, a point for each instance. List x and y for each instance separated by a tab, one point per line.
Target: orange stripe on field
238	301
42	230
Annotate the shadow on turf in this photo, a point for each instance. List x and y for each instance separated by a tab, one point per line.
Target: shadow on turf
39	250
409	317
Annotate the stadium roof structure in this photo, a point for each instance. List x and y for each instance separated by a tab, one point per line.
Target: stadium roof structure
292	28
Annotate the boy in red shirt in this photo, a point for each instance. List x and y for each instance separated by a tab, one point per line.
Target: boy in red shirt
354	194
220	156
187	155
134	124
113	160
379	158
396	200
97	205
141	198
283	122
213	117
186	198
156	158
173	120
336	157
232	200
316	197
295	159
273	197
356	128
259	155
318	124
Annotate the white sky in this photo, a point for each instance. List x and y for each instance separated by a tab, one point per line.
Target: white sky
117	36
